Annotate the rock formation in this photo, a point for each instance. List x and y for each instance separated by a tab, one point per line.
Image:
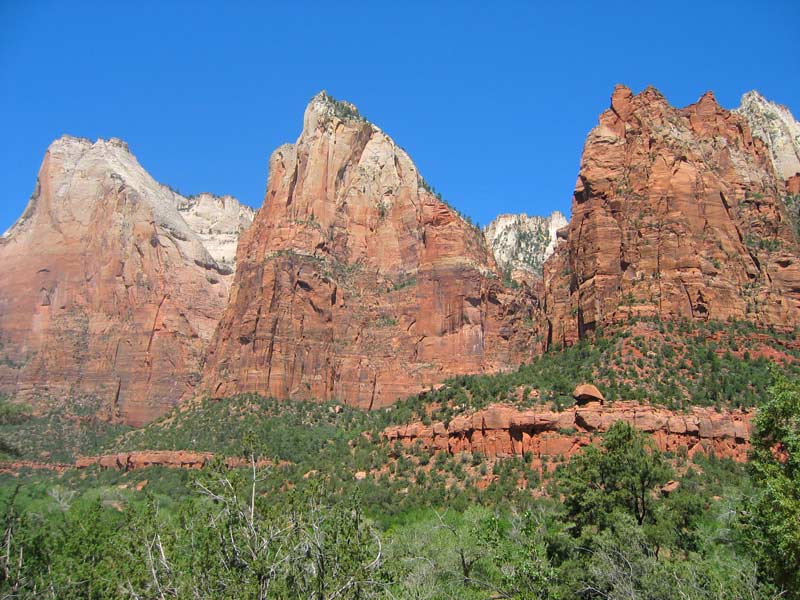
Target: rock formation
504	431
777	128
587	393
170	459
676	212
108	297
521	244
356	283
218	221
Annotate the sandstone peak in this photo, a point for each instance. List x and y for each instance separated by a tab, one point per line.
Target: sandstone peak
624	103
621	101
356	282
775	125
652	93
708	98
323	109
108	295
77	171
676	213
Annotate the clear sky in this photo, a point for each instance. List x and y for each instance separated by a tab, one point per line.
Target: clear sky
492	100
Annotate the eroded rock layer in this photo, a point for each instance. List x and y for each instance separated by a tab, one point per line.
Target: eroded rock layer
676	213
504	431
355	283
170	459
107	297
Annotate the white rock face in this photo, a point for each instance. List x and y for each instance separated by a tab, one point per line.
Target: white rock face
218	221
521	242
87	169
776	126
204	228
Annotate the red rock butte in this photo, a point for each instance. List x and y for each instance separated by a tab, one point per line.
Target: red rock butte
676	213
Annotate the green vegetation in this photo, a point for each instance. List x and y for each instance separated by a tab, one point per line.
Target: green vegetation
386	321
339	514
10	415
346	111
760	243
404	281
275	533
619	476
383	209
299	432
53	434
772	515
677	364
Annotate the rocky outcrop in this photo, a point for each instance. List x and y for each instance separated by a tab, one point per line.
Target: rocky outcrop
676	213
218	221
107	296
586	393
356	283
777	128
504	431
521	244
171	459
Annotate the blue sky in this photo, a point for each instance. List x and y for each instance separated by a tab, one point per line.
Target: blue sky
492	100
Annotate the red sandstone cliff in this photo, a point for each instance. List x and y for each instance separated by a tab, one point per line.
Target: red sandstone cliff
107	296
355	282
676	212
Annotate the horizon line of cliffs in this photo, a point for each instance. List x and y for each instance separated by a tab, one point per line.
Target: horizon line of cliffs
354	281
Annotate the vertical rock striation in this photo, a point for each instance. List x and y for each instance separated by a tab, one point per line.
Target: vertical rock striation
108	297
676	212
355	282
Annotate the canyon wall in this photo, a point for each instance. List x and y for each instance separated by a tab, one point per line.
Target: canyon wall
521	243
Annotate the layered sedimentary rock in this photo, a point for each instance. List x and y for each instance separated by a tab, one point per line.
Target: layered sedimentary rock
355	282
503	431
218	221
676	213
777	128
521	244
171	459
107	296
